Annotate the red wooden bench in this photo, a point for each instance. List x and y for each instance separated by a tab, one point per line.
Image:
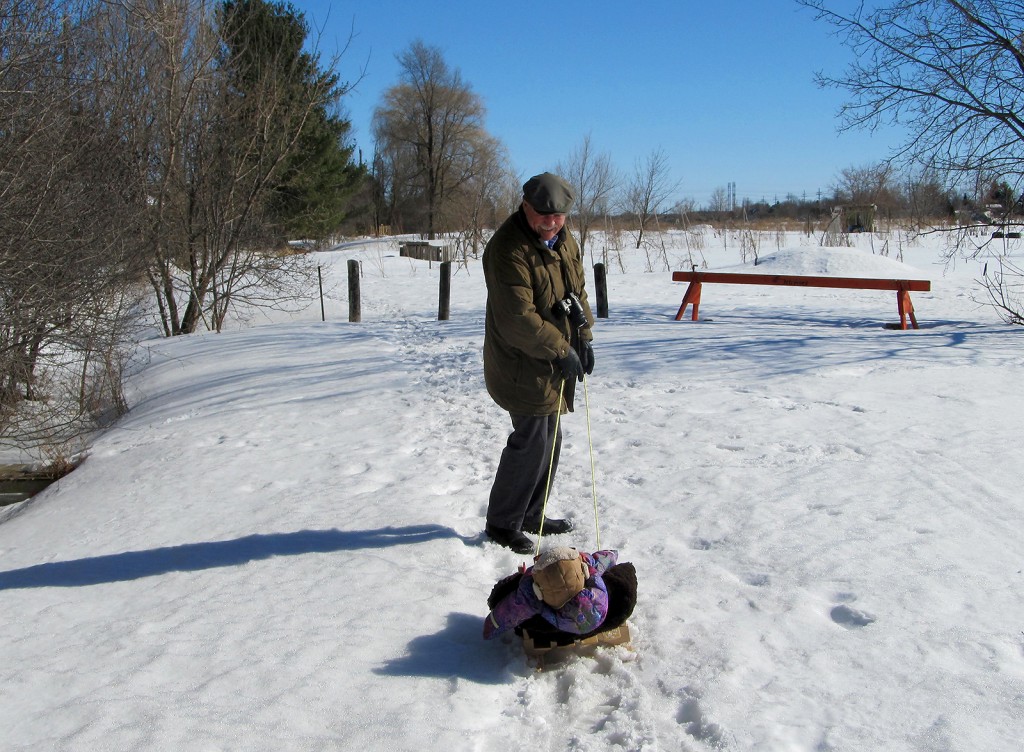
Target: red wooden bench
903	287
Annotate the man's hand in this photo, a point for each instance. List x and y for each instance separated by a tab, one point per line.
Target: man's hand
587	357
571	366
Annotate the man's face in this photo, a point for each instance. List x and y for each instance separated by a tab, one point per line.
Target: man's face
545	225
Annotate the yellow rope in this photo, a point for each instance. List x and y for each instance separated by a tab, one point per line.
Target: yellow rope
593	473
551	464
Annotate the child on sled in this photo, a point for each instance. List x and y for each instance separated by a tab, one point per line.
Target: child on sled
566	595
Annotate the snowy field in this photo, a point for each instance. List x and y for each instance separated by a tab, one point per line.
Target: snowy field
279	547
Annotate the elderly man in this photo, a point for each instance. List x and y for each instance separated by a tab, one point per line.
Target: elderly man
536	346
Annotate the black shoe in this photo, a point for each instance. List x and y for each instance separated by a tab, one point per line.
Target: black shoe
512	539
551	527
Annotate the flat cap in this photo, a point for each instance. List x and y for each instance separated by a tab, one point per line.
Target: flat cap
548	194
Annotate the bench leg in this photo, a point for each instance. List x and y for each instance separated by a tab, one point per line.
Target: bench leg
906	308
692	296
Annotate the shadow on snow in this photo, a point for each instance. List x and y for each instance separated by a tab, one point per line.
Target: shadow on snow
192	557
457	651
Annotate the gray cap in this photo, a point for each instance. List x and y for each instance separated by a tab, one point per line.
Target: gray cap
548	194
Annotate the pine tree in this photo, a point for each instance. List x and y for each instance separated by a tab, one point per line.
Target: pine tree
313	189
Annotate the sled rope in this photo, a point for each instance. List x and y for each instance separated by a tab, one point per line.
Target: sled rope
593	473
551	464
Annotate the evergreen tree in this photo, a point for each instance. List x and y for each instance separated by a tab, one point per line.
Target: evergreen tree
313	189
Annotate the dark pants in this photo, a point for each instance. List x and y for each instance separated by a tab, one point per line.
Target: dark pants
522	477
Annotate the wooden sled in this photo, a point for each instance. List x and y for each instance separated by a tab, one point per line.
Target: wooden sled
543	651
542	645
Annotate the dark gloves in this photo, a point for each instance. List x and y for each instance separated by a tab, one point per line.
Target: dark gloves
571	366
575	366
587	358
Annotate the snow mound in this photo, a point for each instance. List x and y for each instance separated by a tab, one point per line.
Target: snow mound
831	262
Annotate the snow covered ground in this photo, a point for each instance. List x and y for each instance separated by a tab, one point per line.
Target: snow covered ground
279	547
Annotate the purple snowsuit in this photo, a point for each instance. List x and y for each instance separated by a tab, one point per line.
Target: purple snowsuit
584	612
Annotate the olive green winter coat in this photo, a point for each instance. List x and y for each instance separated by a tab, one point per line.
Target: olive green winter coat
523	336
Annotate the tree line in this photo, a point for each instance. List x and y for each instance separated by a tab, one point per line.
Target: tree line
914	200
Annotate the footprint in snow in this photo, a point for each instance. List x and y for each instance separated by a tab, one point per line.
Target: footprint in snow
847	616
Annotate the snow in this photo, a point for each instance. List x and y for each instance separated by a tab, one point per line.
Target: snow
279	547
836	262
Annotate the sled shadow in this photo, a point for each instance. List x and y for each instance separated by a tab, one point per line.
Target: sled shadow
457	651
192	557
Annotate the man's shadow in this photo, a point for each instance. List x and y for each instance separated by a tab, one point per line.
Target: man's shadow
192	557
457	651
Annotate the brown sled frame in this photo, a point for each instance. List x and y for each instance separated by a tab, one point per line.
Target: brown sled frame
542	653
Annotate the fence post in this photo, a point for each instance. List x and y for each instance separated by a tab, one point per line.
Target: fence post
445	296
355	313
601	285
320	282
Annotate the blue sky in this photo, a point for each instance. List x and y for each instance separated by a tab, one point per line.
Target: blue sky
726	89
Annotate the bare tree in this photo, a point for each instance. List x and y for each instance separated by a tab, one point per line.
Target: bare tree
873	185
926	198
395	194
168	53
595	180
66	262
476	204
720	200
949	71
430	129
217	122
648	189
1004	290
867	184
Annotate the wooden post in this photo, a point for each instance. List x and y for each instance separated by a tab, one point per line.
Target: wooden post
601	286
320	282
445	295
355	314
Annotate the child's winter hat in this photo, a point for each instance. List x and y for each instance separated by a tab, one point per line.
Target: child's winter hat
558	575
